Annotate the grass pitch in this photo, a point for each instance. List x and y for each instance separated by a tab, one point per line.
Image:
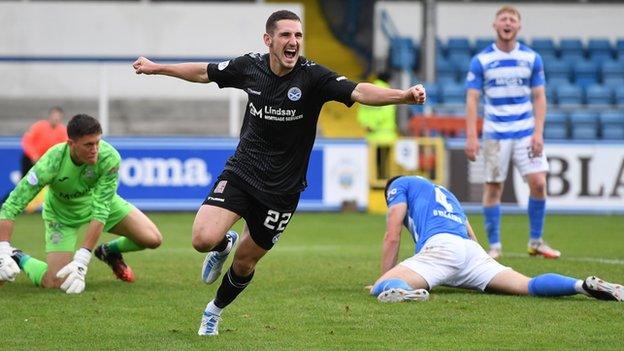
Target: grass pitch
308	294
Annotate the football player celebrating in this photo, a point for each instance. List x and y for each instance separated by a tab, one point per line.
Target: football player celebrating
82	176
447	252
262	181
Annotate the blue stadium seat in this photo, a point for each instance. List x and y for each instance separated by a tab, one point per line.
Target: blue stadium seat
461	62
445	70
456	111
585	73
555	131
557	69
482	43
599	50
454	94
584	125
612	69
544	46
556	125
571	47
613	82
569	95
583	132
619	48
551	96
612	124
458	45
402	53
598	95
433	93
618	95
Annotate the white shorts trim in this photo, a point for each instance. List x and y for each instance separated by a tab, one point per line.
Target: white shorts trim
497	154
451	260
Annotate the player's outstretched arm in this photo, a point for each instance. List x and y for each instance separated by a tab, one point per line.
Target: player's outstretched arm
196	72
373	95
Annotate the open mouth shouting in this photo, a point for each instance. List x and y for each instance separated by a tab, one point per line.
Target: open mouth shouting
290	54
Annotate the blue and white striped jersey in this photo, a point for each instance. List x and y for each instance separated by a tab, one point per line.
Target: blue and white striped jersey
506	79
431	209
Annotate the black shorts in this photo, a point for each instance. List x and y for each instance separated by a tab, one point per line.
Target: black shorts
266	214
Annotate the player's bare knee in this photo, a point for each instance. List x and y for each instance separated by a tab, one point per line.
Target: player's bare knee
51	282
155	239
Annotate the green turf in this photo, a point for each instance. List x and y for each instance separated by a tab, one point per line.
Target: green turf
308	294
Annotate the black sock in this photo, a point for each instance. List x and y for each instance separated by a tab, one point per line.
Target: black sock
222	245
230	287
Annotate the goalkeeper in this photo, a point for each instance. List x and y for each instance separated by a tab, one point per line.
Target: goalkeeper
82	175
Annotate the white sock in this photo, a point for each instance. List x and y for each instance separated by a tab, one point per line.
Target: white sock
212	308
579	288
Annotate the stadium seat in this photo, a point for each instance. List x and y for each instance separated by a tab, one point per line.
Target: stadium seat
585	73
584	125
551	96
599	50
571	47
612	124
454	94
445	70
619	49
433	93
583	132
557	69
402	53
556	125
461	62
618	95
458	45
544	46
569	95
482	43
612	69
598	95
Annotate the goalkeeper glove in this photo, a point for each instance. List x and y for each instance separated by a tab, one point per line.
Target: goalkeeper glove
8	268
74	273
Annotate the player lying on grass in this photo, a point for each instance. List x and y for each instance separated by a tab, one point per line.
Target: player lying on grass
82	175
447	252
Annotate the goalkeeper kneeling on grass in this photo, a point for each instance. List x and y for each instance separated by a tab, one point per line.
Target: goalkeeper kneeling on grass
82	176
447	252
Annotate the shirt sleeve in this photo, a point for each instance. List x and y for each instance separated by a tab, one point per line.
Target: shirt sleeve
332	87
106	187
474	77
30	185
228	74
537	74
397	193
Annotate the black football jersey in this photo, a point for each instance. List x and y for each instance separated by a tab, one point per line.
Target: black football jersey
280	120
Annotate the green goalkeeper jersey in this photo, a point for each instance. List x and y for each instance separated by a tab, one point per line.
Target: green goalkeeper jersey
77	193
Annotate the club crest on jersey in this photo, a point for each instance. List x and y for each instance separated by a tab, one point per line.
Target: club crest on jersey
89	173
294	94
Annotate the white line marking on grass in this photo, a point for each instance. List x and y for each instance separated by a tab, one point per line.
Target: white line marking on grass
613	261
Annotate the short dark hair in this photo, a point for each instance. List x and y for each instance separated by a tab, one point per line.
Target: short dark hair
81	125
388	186
271	23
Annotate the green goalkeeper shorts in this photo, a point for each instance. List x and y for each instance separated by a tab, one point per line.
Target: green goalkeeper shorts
62	238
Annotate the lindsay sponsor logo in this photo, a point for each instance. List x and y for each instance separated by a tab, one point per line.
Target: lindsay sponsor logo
274	114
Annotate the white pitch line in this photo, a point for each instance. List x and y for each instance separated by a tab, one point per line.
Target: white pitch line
613	261
334	248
